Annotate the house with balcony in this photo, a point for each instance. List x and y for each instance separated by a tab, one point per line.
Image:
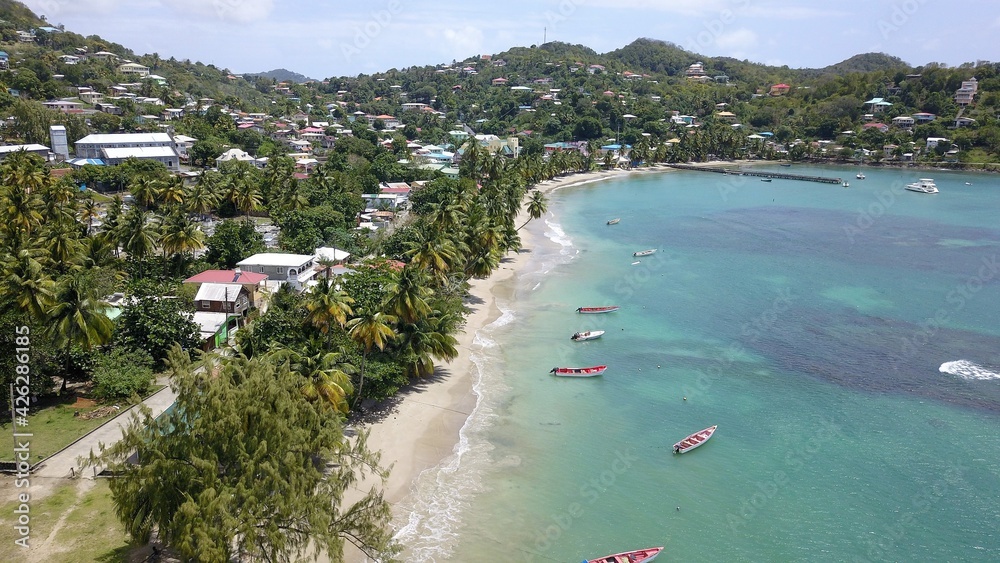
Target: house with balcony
903	122
251	282
296	270
230	298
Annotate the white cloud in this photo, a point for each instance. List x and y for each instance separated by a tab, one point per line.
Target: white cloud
737	40
237	11
463	42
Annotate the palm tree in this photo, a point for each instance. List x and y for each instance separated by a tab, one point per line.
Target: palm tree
63	243
537	206
203	196
137	234
27	284
408	294
326	306
172	192
420	343
77	318
434	253
145	188
242	187
180	236
20	207
370	330
89	211
325	377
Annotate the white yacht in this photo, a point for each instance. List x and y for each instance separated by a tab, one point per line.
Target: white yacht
924	186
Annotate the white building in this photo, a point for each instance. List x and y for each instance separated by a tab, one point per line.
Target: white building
60	146
297	270
152	146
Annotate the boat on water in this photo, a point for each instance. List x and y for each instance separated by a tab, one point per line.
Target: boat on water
968	183
596	310
636	556
765	179
694	440
644	252
860	176
923	186
586	335
786	165
614	221
846	185
591	371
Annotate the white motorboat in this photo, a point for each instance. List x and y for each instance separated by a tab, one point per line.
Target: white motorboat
860	176
923	186
586	335
644	252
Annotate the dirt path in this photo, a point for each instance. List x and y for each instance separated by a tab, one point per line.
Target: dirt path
45	550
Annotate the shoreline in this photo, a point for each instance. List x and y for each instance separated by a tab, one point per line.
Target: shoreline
421	428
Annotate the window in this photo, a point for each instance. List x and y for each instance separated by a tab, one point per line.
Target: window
281	270
205	305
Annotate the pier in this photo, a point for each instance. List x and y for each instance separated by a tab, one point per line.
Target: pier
758	173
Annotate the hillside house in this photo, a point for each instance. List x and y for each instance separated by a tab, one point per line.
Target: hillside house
297	270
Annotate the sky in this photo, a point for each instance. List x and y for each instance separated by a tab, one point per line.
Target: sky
328	38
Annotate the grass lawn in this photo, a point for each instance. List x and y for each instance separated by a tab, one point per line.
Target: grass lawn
54	427
75	523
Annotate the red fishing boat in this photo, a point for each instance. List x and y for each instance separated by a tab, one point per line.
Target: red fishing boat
579	372
694	440
637	556
595	310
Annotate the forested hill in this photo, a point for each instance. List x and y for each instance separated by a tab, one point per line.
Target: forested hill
282	75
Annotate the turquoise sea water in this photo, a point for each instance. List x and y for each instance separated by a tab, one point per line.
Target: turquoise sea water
846	342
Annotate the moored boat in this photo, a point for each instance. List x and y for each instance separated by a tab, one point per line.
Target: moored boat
846	185
591	371
786	165
644	252
596	310
614	221
860	176
586	335
765	179
923	186
636	556
694	440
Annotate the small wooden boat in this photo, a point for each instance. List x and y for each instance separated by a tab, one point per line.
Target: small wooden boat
596	310
586	335
694	440
786	165
637	556
614	221
591	371
644	252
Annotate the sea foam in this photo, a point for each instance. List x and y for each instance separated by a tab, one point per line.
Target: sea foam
432	512
968	370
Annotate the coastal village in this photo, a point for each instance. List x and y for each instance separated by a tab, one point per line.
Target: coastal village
164	219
